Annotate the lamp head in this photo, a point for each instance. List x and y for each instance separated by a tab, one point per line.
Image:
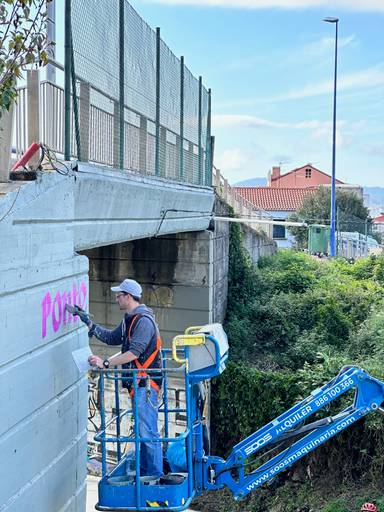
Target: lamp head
331	20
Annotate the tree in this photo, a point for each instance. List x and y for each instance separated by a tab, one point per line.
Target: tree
352	215
23	41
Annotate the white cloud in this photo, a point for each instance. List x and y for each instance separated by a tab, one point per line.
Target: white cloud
224	121
233	160
355	5
239	120
360	80
374	149
366	78
325	46
315	130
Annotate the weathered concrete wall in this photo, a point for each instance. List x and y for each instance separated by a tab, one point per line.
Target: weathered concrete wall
114	206
184	279
257	243
43	398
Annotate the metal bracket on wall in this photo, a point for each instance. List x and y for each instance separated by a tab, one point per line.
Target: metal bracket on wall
164	212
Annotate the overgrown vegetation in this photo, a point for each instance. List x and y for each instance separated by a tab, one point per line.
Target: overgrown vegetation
352	215
293	322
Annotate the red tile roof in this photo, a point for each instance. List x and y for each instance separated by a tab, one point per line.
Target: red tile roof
275	199
379	219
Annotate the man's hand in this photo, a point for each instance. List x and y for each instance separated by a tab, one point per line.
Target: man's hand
78	311
96	361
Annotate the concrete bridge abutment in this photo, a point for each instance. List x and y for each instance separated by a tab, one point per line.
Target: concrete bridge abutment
43	395
184	280
48	226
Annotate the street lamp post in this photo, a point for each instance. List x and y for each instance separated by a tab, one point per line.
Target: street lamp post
332	237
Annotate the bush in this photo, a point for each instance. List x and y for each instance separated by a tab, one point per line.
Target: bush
245	399
368	341
293	322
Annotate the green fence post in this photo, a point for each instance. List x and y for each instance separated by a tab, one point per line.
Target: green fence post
75	102
157	154
208	144
200	156
121	85
67	81
181	159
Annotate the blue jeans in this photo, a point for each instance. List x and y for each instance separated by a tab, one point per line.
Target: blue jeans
151	454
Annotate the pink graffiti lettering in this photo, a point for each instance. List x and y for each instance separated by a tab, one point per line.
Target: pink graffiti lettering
66	316
53	313
46	311
56	319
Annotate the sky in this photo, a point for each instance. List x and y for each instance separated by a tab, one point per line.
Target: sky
270	65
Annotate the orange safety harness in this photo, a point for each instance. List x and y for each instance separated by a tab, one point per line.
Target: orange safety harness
147	363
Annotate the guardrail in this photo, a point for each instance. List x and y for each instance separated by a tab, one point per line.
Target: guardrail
43	103
39	116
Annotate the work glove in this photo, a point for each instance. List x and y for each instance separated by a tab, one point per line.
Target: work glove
78	311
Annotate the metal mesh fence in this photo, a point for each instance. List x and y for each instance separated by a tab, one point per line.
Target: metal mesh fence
139	48
139	107
95	34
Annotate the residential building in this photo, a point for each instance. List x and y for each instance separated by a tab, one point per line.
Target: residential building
286	192
378	224
280	203
302	177
307	176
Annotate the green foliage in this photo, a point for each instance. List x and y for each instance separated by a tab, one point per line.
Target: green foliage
333	321
296	306
245	400
369	268
22	42
352	215
369	339
291	328
336	506
243	280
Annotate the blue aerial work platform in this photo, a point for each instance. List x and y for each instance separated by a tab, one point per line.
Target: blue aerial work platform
201	354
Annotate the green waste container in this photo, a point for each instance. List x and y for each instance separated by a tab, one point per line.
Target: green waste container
318	239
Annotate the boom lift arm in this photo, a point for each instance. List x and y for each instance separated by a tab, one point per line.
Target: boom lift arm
369	395
278	445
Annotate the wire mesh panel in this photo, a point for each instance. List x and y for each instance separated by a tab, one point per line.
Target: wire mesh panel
139	107
139	64
95	38
101	143
171	156
132	145
191	107
151	147
95	45
205	139
195	164
169	89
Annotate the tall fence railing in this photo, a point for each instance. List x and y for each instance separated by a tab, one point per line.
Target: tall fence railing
101	148
241	206
138	106
98	129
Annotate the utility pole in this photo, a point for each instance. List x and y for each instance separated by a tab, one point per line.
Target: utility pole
332	241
